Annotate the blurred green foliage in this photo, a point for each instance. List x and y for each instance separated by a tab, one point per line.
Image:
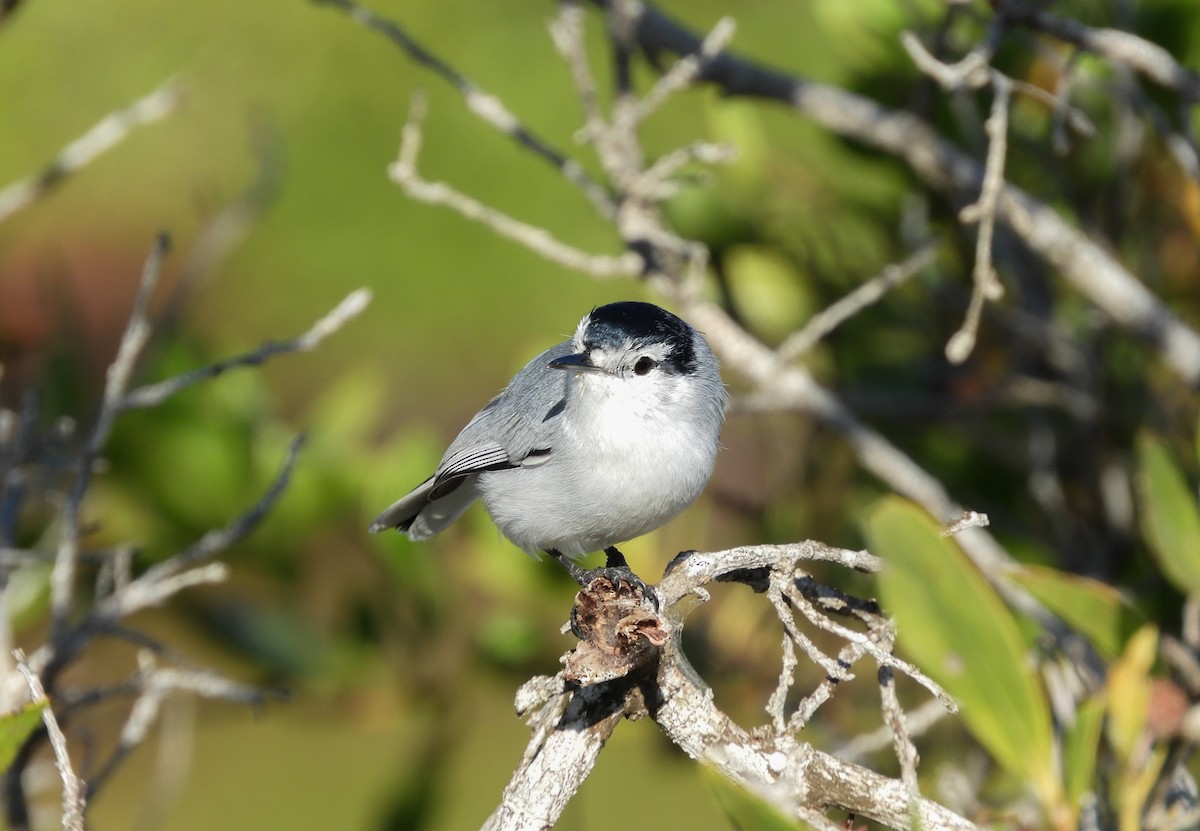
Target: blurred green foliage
15	728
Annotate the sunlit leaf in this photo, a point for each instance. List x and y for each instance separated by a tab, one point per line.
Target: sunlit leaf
953	625
1129	691
1098	611
1129	688
15	728
767	290
1170	514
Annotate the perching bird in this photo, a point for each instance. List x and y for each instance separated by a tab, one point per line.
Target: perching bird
598	440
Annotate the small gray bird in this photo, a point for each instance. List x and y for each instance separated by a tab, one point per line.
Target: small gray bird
598	440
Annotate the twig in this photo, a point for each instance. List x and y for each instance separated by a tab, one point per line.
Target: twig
1148	58
482	104
918	720
787	677
106	134
73	800
882	656
972	72
969	519
404	173
155	685
566	32
685	71
151	395
849	655
986	283
834	315
133	341
142	594
777	595
893	715
214	541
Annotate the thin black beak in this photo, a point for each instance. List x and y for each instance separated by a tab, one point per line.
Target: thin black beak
580	362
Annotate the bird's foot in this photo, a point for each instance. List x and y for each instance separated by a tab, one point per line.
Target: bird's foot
616	619
615	569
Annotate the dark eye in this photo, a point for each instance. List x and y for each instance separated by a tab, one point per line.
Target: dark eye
643	365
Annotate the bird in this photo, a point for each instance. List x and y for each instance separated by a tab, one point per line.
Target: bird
596	441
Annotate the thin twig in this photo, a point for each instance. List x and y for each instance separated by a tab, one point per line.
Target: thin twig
969	519
133	341
849	655
151	395
155	685
882	656
918	720
1148	58
106	134
566	32
986	283
74	802
686	70
220	539
779	600
404	173
893	715
834	315
787	677
483	104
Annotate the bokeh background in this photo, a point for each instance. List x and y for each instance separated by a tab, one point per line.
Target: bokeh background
400	660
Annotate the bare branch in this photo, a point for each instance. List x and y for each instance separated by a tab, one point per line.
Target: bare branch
893	715
73	801
918	721
155	685
210	544
972	72
565	745
133	341
151	395
685	72
483	104
141	594
969	519
404	173
566	32
987	284
828	319
1148	58
106	134
785	772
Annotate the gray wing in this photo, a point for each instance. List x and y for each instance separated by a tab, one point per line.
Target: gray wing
515	428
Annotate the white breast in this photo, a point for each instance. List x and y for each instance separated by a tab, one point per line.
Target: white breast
631	457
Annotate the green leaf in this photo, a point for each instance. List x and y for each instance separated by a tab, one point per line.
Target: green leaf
1098	611
953	625
1129	692
15	728
1080	749
767	289
1170	514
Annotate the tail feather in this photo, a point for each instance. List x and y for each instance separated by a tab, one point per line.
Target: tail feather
421	513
